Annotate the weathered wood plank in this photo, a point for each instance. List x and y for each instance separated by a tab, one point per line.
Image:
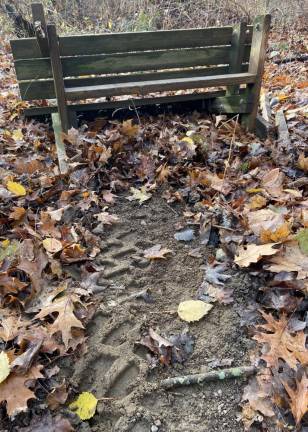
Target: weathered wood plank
31	90
261	30
237	52
40	27
61	153
144	87
120	63
126	103
125	42
58	76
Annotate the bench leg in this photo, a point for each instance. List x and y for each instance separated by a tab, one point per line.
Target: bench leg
62	157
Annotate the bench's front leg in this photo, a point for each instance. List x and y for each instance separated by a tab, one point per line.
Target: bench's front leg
261	29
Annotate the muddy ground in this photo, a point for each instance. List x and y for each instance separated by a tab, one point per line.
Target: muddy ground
116	367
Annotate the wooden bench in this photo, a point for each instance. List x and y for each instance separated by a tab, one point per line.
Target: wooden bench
74	68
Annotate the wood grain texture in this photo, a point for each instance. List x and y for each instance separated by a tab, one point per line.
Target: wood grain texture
35	89
61	153
126	42
39	16
144	87
58	76
237	52
261	30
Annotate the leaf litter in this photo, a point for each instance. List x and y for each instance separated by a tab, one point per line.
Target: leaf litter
256	212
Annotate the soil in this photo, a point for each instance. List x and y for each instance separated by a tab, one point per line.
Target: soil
116	367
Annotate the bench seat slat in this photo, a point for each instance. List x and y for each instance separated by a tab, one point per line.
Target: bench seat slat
144	87
32	90
121	63
127	42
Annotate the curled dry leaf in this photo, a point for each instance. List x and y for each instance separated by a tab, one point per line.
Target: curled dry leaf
107	218
193	310
156	252
52	245
253	253
269	225
298	398
290	259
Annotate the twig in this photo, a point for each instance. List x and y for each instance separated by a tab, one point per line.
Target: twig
231	147
236	372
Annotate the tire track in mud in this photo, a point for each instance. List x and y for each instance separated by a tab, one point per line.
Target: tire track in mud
114	367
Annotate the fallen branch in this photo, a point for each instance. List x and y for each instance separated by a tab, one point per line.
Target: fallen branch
300	57
236	372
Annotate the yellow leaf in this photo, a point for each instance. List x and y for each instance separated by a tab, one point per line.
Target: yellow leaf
129	129
139	195
17	135
84	405
193	310
5	243
254	190
4	366
280	234
52	245
257	202
16	188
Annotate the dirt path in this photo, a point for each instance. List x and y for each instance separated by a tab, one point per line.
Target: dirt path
116	367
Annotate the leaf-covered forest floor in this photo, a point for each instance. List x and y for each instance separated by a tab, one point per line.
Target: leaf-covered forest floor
155	211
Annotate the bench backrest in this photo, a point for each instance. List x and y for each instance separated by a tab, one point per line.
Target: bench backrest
125	57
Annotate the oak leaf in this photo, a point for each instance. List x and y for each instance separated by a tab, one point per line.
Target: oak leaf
298	398
34	268
66	318
280	343
253	253
139	195
14	391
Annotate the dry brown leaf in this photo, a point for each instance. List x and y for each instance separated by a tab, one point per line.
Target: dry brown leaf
34	268
272	182
163	172
10	327
303	162
280	343
10	284
14	391
253	253
156	252
73	253
107	218
269	225
52	245
298	398
18	213
290	259
219	184
66	318
257	202
57	397
129	129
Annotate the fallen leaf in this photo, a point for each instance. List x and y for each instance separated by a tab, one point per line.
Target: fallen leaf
273	182
57	397
303	162
156	252
290	259
252	253
139	195
14	391
73	253
302	238
23	362
129	129
52	245
269	225
107	218
257	202
84	405
47	423
34	268
280	343
215	274
18	213
219	184
17	135
193	310
16	188
5	368
298	398
66	318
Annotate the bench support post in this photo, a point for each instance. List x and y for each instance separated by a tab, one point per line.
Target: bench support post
61	153
58	76
260	34
237	53
39	23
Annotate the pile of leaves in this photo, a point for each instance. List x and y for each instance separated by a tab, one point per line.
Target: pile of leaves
245	198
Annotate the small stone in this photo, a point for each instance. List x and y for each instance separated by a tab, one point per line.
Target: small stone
157	423
220	255
154	428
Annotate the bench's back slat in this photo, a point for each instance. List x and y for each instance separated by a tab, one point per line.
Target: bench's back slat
129	42
126	62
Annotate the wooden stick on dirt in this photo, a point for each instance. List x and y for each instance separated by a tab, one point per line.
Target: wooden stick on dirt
236	372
